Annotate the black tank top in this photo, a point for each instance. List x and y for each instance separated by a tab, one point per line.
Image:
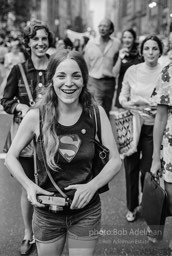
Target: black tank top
75	155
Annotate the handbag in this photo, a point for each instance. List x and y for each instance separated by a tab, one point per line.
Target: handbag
154	205
28	150
101	156
122	126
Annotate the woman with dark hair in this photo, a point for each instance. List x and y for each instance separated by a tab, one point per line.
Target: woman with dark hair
30	31
128	56
63	124
138	85
68	43
38	39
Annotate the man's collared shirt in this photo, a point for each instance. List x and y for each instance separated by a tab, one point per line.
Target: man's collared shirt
100	63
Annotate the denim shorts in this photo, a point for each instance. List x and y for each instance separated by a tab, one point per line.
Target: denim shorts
76	224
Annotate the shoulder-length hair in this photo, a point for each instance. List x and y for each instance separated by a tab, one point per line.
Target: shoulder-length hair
154	38
48	105
30	31
134	47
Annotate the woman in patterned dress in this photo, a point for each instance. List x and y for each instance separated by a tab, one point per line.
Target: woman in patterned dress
162	135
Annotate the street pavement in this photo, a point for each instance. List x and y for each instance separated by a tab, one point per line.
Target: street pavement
117	237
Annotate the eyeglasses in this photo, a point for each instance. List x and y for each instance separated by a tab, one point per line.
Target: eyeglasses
103	26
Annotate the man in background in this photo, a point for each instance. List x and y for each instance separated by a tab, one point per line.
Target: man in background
100	57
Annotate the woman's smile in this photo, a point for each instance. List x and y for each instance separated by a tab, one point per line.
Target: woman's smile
69	91
68	82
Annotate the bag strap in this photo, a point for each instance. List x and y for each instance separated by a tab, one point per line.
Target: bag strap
31	101
35	161
45	164
97	122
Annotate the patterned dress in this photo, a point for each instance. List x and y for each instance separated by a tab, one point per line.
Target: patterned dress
163	95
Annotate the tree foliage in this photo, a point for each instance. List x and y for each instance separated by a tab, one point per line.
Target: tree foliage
22	10
5	7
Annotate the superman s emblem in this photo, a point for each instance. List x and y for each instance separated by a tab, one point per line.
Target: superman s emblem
69	146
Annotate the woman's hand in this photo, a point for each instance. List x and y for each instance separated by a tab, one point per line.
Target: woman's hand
156	167
32	193
123	52
82	196
128	105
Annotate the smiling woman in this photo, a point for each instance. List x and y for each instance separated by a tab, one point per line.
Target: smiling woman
63	123
38	38
127	56
39	44
68	85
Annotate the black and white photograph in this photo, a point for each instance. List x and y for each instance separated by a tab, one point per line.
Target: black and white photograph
86	127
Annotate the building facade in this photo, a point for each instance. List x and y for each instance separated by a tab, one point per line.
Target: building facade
65	14
143	17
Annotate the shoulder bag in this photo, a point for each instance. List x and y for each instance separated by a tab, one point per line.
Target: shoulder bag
154	205
122	126
101	156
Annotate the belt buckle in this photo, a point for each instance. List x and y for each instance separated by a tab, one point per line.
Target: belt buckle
55	208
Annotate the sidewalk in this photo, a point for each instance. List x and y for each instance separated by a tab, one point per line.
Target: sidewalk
118	237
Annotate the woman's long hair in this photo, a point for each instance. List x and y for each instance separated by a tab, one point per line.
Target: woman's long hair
48	105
